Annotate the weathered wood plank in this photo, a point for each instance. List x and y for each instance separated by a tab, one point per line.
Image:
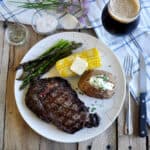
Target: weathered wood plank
86	145
106	140
51	145
102	142
134	141
4	58
148	140
18	136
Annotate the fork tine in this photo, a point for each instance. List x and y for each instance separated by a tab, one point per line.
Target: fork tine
128	65
125	64
131	72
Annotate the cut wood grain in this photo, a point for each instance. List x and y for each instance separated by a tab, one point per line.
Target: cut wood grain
18	136
106	140
50	145
4	58
148	140
86	145
133	142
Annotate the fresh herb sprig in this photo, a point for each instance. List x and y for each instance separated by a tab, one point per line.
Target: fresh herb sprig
47	4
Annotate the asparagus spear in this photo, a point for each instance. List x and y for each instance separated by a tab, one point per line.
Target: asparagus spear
48	63
42	69
27	65
60	44
65	50
30	68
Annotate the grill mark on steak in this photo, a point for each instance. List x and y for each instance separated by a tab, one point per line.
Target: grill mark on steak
53	100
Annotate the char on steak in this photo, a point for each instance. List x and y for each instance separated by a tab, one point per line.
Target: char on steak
53	100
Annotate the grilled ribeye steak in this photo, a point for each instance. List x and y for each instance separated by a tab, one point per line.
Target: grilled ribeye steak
53	100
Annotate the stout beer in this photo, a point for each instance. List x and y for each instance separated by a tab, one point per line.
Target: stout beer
121	16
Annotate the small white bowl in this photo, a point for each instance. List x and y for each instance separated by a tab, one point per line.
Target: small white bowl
39	15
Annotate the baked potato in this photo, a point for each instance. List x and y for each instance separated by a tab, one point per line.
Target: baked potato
97	83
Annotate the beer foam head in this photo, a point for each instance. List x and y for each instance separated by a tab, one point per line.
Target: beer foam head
124	11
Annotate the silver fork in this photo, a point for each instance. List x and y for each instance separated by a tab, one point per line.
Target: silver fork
128	67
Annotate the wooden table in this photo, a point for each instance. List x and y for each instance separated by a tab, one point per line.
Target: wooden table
15	134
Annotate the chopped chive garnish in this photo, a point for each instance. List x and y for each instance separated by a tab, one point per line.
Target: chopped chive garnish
105	78
93	109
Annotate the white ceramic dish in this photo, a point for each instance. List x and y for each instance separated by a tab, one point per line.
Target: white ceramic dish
108	110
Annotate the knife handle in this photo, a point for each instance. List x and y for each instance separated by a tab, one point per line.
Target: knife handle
142	116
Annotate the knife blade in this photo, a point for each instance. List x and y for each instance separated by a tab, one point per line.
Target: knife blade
143	93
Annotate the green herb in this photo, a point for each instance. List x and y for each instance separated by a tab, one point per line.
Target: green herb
94	81
105	78
93	109
47	4
101	88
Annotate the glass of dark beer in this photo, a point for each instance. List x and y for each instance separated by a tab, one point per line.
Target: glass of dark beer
121	16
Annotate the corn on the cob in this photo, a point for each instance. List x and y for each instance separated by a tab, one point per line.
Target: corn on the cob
91	56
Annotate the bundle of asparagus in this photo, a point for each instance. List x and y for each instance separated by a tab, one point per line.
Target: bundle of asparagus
37	67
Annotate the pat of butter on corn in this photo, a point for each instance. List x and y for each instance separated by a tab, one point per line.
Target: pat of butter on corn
91	56
79	65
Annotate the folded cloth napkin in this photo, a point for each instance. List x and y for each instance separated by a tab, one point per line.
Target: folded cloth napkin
131	44
10	12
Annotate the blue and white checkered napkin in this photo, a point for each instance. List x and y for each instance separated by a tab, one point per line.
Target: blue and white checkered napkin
139	40
10	12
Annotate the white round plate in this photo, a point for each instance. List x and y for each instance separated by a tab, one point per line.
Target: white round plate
108	109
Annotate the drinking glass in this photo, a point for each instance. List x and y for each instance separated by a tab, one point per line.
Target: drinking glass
16	34
121	16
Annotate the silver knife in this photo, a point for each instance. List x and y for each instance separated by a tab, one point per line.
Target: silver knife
143	93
